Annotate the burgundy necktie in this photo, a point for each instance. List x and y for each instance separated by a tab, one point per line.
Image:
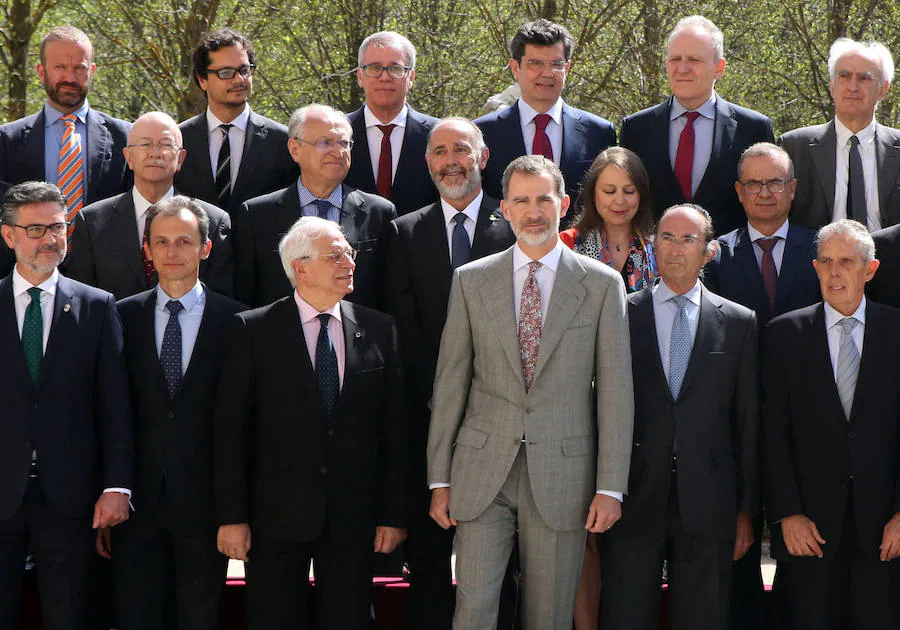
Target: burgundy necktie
530	323
149	269
541	144
769	273
385	162
684	158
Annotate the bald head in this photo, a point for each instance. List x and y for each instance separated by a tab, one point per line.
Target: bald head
154	153
151	122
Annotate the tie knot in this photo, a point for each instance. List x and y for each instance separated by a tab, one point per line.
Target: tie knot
35	294
324	318
541	121
69	120
386	129
848	324
681	301
767	244
854	141
691	117
533	266
224	128
174	307
460	218
323	206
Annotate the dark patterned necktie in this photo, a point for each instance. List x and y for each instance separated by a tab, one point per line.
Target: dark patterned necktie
33	334
327	366
223	169
459	254
170	355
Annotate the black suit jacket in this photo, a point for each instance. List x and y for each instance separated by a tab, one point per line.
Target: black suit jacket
266	164
77	415
714	422
884	288
736	128
413	187
105	251
584	137
173	436
280	463
736	276
261	222
811	449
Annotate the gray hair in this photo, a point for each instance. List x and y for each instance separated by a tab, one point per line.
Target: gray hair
534	165
298	242
704	24
876	50
388	39
298	118
850	229
475	129
173	206
26	194
766	149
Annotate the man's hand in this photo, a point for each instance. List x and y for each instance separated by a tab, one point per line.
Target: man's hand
890	539
103	544
801	537
387	538
744	536
110	510
440	508
234	541
603	513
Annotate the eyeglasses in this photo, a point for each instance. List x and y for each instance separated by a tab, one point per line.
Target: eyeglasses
536	65
395	70
327	144
228	73
162	147
337	257
774	186
37	230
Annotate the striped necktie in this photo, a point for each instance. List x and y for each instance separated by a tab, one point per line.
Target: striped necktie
70	173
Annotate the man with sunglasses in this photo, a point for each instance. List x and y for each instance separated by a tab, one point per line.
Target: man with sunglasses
390	135
255	159
321	141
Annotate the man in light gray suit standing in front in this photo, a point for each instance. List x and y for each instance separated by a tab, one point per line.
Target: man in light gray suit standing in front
533	409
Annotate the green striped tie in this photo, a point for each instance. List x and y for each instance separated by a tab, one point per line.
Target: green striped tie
33	334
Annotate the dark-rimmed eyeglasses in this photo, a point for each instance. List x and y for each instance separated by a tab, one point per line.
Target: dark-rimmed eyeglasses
37	230
774	186
337	257
395	70
327	144
228	73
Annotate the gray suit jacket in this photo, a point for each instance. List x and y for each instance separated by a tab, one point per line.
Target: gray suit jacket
577	417
813	151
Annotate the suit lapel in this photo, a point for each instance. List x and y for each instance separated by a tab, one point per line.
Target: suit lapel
708	338
196	141
659	128
252	155
410	160
33	153
293	346
359	154
125	232
434	249
62	328
146	336
353	213
642	318
512	131
724	128
354	337
98	144
887	157
746	259
10	340
206	336
820	360
498	295
873	357
822	150
791	263
490	229
572	130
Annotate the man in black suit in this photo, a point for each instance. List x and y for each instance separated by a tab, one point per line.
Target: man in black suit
540	122
30	148
832	446
310	441
691	143
849	167
693	486
174	343
424	249
884	288
107	246
66	430
321	140
255	159
390	136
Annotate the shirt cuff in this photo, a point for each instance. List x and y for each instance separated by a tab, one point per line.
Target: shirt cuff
615	495
124	491
432	486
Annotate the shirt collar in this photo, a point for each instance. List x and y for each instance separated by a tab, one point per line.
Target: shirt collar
212	123
399	119
470	211
21	285
755	234
527	112
707	110
833	317
549	260
662	292
141	205
308	313
866	135
336	198
189	300
51	114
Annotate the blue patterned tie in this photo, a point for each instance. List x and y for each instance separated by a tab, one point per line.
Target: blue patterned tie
460	254
847	365
170	355
326	366
33	334
679	346
323	207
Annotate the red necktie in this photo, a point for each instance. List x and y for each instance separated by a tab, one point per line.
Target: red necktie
541	145
149	269
769	273
684	159
385	162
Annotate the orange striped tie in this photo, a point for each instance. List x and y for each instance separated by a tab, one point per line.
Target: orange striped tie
70	175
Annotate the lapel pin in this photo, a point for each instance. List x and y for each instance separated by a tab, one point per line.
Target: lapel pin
67	308
358	334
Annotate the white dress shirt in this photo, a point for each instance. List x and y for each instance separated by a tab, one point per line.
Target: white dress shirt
141	206
777	251
194	302
870	172
374	136
236	136
834	332
309	318
704	128
664	311
554	128
471	213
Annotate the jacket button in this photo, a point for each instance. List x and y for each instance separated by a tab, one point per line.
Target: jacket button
330	432
323	469
171	415
851	435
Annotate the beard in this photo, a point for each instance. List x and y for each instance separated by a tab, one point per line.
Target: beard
67	100
42	266
458	191
536	239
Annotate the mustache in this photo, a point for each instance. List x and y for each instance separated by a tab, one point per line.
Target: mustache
452	170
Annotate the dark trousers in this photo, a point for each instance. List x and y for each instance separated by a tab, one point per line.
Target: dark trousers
62	549
747	589
699	570
153	551
428	550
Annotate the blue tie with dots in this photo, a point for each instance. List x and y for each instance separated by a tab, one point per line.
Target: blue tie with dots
33	334
326	366
170	355
323	207
460	254
679	346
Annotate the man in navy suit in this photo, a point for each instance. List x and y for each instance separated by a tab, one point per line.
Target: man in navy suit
390	137
691	143
30	147
65	438
540	122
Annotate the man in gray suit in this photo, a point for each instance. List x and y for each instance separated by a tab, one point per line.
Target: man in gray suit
849	168
531	432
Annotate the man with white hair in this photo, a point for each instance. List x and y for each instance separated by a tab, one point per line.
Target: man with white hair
390	135
831	415
310	440
849	168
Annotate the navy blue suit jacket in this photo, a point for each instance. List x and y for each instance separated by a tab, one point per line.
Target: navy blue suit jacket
736	276
77	416
413	187
584	137
736	128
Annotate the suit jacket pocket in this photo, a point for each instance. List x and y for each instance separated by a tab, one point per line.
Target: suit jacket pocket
578	446
471	437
